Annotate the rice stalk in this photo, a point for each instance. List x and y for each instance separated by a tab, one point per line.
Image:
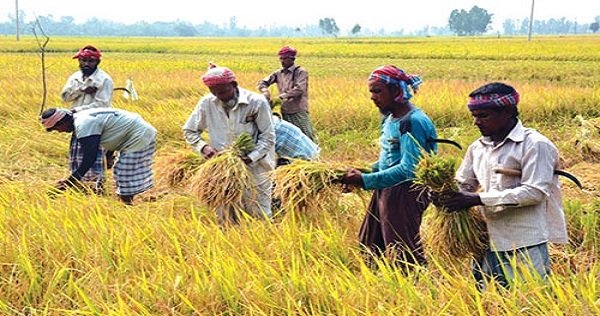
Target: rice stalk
221	181
176	166
307	185
460	234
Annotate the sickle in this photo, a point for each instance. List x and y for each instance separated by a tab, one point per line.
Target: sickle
517	173
445	141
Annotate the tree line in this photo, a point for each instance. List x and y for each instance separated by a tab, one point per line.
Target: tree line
475	21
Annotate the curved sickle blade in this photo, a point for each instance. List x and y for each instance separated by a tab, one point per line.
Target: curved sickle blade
569	176
445	141
122	89
517	172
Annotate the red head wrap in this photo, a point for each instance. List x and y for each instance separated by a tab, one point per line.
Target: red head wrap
493	100
218	75
88	52
58	115
287	51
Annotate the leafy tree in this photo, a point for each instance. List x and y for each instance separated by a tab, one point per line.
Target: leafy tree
356	29
594	27
329	26
472	22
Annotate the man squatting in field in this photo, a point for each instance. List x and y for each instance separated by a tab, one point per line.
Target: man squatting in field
292	84
523	213
115	130
86	89
393	218
225	113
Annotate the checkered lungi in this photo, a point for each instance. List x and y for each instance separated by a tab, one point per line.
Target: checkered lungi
133	171
302	121
96	172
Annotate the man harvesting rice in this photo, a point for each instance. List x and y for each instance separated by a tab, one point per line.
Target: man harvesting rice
115	130
225	113
291	142
88	88
524	210
394	216
292	83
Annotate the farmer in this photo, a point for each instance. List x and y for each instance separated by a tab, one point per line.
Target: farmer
391	225
290	142
225	113
115	130
88	88
292	83
523	213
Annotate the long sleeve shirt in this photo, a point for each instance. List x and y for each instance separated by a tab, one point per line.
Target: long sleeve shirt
400	152
521	210
291	142
251	114
72	91
292	84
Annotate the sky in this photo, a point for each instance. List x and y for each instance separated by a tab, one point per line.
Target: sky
387	14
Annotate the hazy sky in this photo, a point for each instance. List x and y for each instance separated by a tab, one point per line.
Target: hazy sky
389	14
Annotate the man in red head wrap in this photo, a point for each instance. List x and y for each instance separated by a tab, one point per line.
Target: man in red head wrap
225	113
523	208
292	83
391	225
88	88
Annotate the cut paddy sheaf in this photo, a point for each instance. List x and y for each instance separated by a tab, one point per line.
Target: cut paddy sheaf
308	186
450	235
222	181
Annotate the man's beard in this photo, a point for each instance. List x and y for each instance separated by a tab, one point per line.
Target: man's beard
87	71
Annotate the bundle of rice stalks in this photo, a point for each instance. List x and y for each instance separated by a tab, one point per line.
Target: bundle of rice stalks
222	180
460	234
176	166
307	185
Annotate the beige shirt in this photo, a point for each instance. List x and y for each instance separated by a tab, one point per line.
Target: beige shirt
251	114
521	210
72	91
292	84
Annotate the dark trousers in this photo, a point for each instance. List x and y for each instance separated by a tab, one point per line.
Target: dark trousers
391	225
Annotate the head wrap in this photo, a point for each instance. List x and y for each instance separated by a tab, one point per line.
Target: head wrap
88	52
58	115
287	51
217	75
392	75
493	100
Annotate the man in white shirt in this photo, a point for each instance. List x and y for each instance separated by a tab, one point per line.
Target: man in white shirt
523	212
115	130
88	88
225	113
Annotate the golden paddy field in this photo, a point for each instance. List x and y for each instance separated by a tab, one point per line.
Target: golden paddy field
85	255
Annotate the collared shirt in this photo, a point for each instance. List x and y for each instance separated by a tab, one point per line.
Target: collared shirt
400	153
72	91
291	142
521	210
251	114
119	130
292	84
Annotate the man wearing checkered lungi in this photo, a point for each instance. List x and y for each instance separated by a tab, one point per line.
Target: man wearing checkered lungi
87	89
116	130
292	83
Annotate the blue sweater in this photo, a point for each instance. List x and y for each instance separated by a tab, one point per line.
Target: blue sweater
400	153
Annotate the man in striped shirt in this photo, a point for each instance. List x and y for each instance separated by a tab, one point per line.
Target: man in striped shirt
523	210
290	142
